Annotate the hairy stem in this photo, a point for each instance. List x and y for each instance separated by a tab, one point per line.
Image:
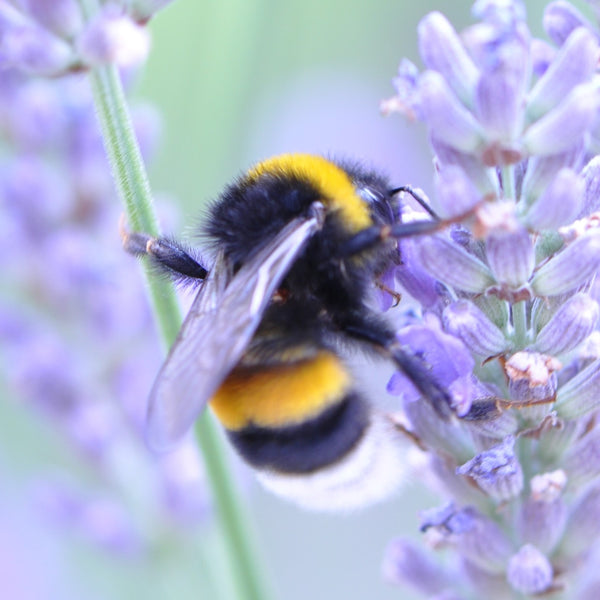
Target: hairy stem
133	187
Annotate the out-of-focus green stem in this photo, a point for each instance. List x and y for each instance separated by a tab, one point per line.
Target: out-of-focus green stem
519	319
133	186
250	581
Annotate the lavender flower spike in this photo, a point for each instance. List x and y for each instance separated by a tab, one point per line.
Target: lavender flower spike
517	284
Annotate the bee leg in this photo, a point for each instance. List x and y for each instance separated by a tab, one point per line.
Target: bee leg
414	367
420	376
417	197
374	235
167	255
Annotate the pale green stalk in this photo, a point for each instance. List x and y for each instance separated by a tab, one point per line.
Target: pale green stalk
133	187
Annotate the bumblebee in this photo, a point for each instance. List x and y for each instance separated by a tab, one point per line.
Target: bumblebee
299	241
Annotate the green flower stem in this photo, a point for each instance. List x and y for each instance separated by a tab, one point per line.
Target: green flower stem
519	314
250	582
133	186
508	181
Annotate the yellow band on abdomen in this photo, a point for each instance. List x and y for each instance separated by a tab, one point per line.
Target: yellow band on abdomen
282	395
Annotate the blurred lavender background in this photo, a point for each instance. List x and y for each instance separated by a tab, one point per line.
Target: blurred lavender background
84	506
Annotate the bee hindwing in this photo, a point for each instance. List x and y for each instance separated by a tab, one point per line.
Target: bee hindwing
218	328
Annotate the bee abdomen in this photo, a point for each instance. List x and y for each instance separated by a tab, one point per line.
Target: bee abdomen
308	446
293	417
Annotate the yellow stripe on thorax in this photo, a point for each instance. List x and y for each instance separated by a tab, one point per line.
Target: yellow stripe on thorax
281	395
332	182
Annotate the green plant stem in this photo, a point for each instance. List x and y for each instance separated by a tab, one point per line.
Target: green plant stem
508	182
250	582
133	186
519	319
134	189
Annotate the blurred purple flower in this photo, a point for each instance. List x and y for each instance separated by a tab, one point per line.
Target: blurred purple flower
53	38
511	315
78	344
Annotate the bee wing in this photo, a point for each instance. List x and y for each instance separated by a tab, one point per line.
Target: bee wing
219	326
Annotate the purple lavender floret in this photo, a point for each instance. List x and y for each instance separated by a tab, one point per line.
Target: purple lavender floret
52	38
512	121
78	345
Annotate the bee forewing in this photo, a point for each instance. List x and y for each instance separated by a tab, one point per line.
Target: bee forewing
216	331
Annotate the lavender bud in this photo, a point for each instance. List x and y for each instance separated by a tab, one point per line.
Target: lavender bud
529	571
561	19
449	263
452	123
496	471
559	204
464	320
591	195
570	325
544	514
114	38
501	87
583	525
575	63
404	563
581	394
62	17
570	268
582	461
532	376
565	125
34	50
443	51
510	256
541	171
482	177
477	537
456	194
542	55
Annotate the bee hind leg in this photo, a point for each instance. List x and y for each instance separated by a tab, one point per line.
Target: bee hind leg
166	255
